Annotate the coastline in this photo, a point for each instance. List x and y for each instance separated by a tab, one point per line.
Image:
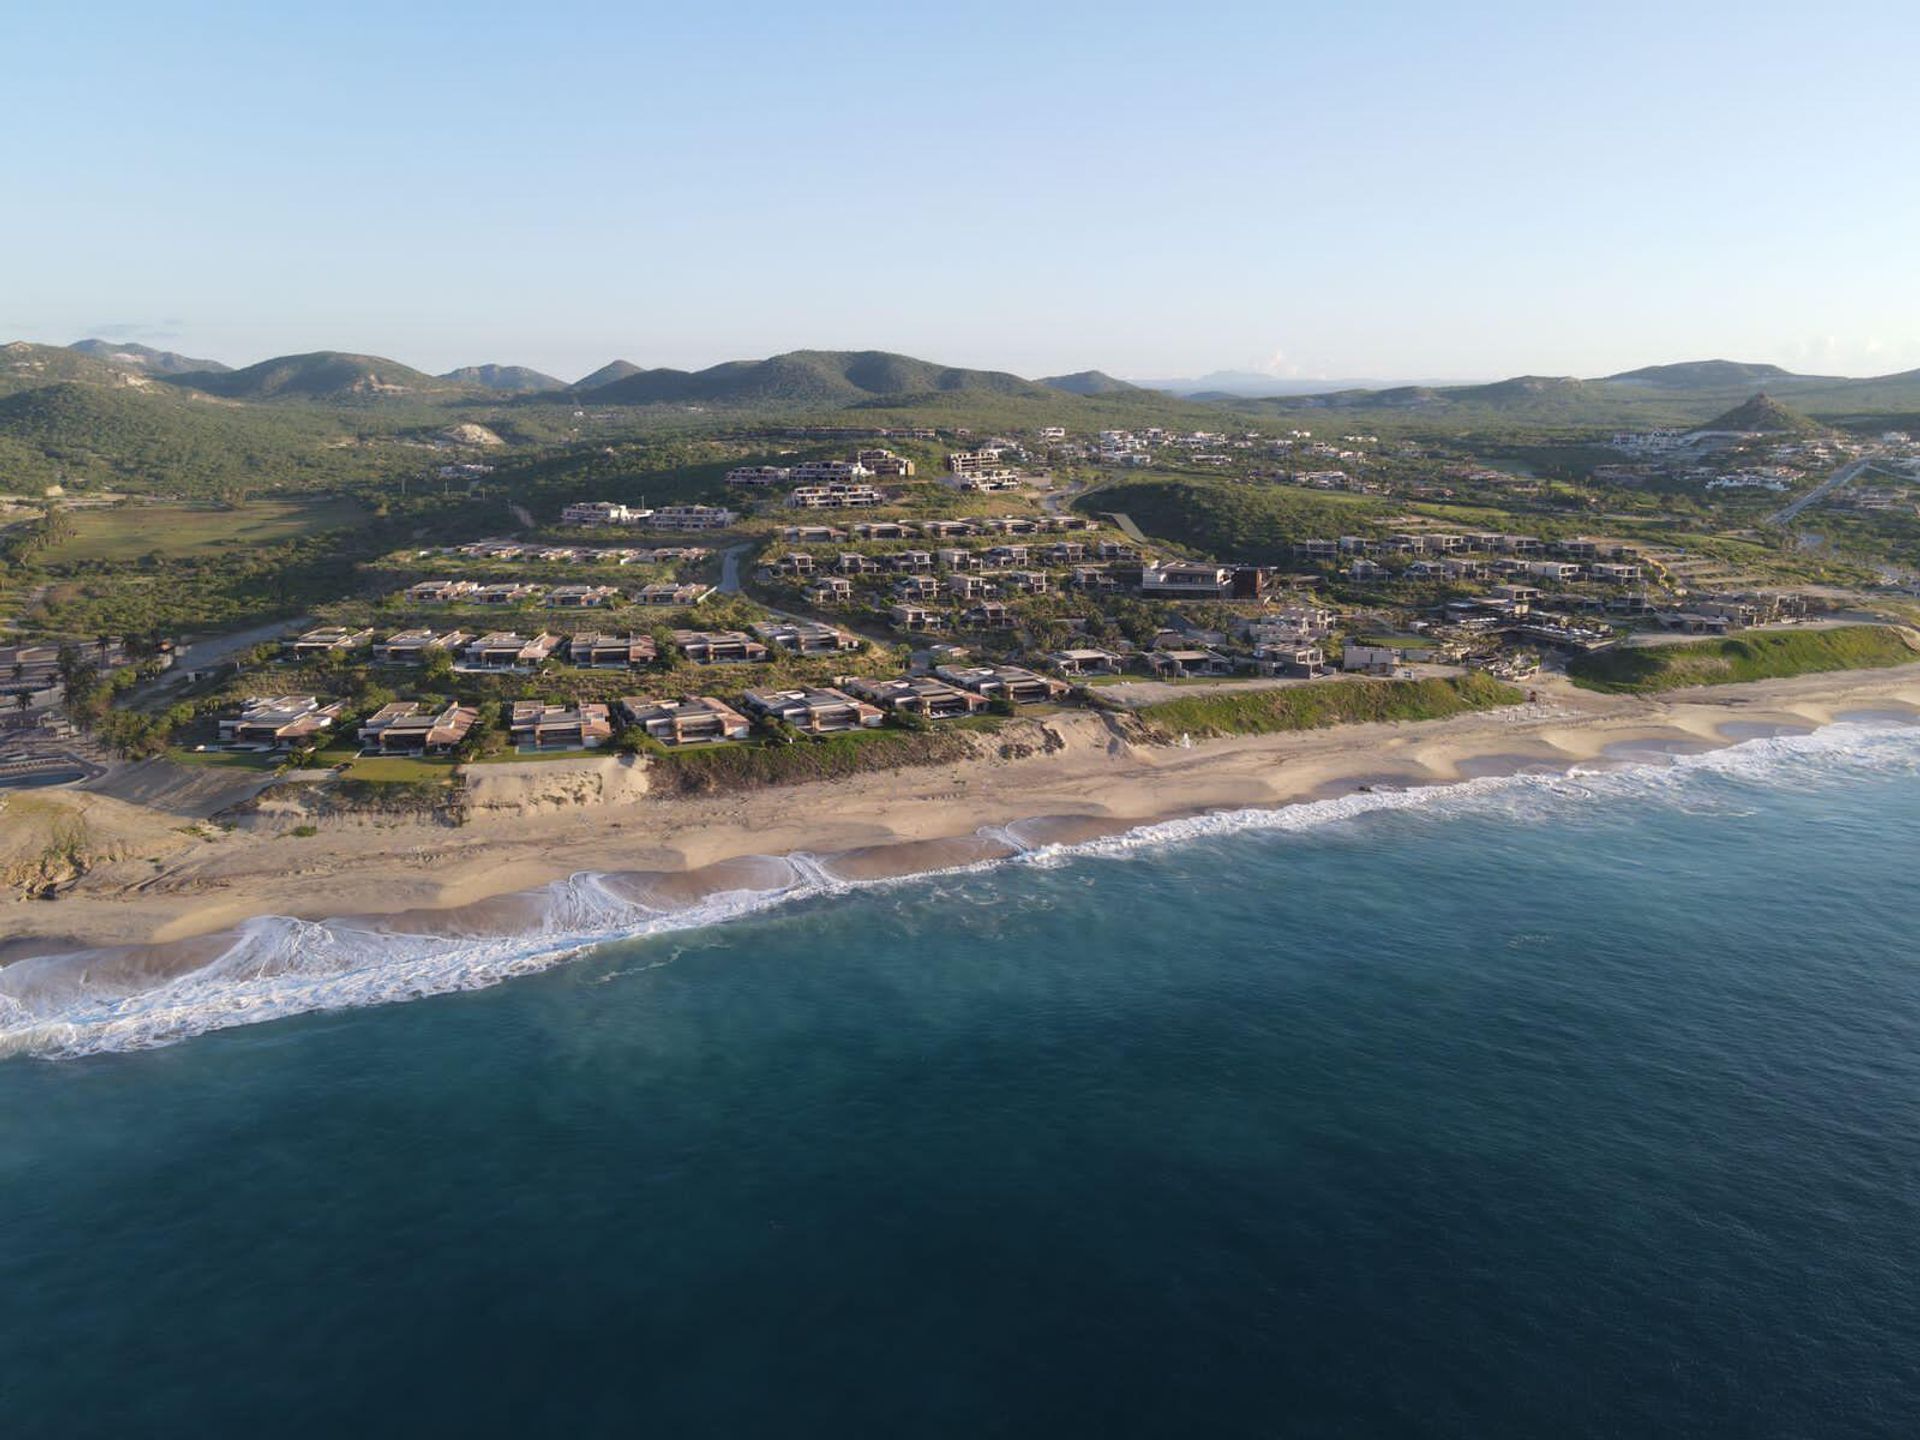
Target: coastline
536	825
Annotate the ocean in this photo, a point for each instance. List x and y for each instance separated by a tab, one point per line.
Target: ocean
1581	1105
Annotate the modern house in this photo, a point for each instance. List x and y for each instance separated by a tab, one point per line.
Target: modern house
1187	664
581	597
535	725
283	722
326	639
920	695
692	719
667	594
691	517
1077	664
1182	580
591	651
719	647
830	590
440	592
509	650
412	647
805	637
1007	682
408	727
818	712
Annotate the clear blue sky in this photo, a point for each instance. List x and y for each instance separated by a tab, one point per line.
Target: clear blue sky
1365	188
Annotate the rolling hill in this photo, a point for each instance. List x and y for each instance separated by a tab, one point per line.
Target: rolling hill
1088	382
811	380
511	379
1763	415
1708	375
322	375
145	358
613	370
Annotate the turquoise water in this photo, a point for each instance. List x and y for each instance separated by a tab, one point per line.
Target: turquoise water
1582	1106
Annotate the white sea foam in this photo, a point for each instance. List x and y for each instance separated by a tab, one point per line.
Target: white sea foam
81	1003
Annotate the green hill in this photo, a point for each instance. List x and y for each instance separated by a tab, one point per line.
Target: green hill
144	358
1707	375
322	375
810	380
1235	522
1088	382
1763	415
158	437
607	374
24	364
512	379
1758	655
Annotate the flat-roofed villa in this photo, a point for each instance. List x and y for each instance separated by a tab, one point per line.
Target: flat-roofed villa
592	651
989	615
509	650
830	590
799	562
440	592
915	617
1088	661
328	638
581	597
884	530
811	534
852	562
691	517
667	594
1182	580
957	558
536	725
921	695
408	727
816	711
1009	682
690	720
1289	657
805	637
412	647
917	587
970	587
507	593
719	647
1184	664
280	721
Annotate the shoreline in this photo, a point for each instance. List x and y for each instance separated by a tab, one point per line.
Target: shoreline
539	824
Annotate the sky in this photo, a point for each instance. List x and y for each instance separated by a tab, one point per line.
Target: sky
1372	189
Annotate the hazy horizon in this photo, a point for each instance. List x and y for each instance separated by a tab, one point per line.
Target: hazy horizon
1383	192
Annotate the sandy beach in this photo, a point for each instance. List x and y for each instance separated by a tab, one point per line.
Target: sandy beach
177	878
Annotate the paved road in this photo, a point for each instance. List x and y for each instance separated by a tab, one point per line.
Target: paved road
730	568
1843	476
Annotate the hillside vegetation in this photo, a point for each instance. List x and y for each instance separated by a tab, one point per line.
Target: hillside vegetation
1241	522
1329	702
1766	655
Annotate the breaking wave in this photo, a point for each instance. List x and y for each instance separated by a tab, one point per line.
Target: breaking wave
128	998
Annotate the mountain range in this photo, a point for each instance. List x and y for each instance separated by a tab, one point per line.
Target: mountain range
810	381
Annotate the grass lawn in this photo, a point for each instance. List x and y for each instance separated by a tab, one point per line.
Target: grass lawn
226	759
1757	655
127	532
515	757
398	769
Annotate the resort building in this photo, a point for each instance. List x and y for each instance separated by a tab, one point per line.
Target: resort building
693	719
602	512
805	637
581	597
691	517
283	722
412	647
1007	682
509	650
818	712
535	725
328	638
719	647
591	651
920	695
408	727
